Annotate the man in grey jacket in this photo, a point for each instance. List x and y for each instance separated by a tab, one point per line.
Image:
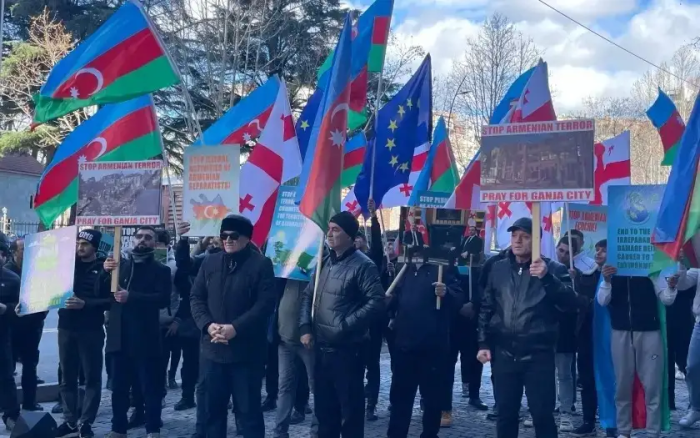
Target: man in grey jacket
291	355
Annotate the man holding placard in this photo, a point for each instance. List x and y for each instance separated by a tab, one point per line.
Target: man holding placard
518	331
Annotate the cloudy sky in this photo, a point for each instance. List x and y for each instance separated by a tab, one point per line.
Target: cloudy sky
580	63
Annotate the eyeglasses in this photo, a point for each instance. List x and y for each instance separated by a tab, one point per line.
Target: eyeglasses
234	235
146	237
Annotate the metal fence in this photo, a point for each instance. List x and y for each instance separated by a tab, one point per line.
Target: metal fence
14	229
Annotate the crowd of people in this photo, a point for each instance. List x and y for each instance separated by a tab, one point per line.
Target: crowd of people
234	325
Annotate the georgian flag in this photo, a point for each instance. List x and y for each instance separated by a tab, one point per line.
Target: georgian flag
399	196
508	212
611	166
350	203
274	160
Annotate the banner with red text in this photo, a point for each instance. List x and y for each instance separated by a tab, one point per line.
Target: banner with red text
119	193
210	189
591	221
537	162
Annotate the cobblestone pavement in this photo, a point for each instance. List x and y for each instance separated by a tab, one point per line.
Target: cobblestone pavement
467	422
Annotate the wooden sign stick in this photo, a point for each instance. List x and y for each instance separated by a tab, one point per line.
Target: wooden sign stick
536	231
438	300
116	255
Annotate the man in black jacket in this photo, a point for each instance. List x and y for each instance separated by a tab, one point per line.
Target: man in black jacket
336	318
81	339
232	300
518	331
472	246
9	297
133	334
26	337
421	346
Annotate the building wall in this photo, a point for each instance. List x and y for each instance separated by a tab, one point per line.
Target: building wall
16	191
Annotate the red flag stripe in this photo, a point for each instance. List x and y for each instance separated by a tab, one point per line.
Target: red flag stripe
380	31
268	161
354	158
124	130
264	223
441	163
671	132
236	137
358	91
127	56
419	162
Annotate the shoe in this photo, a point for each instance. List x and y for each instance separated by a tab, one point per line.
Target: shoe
184	404
477	404
586	429
446	420
297	417
492	416
172	384
86	431
565	424
67	430
370	415
680	375
137	419
690	418
528	422
40	381
36	407
308	410
57	408
465	390
270	404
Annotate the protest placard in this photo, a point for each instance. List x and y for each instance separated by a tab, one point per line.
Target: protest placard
630	224
537	162
591	221
430	199
47	270
210	190
431	235
119	193
293	242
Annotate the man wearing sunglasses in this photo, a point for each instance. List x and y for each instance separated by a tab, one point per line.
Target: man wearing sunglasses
133	334
232	300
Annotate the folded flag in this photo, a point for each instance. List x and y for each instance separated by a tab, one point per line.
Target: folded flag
245	120
466	195
123	59
126	131
528	99
352	159
666	119
611	166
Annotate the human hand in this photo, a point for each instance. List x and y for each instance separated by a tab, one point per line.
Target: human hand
110	264
608	272
227	332
572	273
484	356
172	329
307	341
391	324
18	310
467	310
74	303
673	281
538	268
121	296
183	228
440	289
372	206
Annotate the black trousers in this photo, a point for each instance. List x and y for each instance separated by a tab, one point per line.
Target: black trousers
272	371
463	345
170	344
190	365
8	388
586	372
144	373
26	337
80	351
302	395
679	328
537	375
413	370
338	392
373	351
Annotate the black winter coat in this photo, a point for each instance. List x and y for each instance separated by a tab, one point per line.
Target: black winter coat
134	327
97	299
350	298
520	313
9	296
241	293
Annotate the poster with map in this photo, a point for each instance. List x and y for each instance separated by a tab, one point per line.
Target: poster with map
210	189
47	270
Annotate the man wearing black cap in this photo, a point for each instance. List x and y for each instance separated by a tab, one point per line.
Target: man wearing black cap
133	333
518	331
336	319
81	338
9	297
232	300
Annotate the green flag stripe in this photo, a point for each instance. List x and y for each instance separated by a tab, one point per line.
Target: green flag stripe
376	58
445	183
349	176
670	155
142	148
153	76
329	207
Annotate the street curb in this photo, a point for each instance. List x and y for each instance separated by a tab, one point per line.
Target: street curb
45	393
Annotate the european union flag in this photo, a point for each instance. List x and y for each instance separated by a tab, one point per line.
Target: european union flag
306	121
401	125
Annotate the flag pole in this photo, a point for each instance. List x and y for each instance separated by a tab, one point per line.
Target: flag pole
571	247
166	159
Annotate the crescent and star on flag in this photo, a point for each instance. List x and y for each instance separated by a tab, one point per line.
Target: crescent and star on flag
75	93
103	149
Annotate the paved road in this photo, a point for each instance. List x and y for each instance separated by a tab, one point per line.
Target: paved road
467	422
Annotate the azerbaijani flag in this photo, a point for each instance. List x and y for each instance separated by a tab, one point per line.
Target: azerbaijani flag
123	59
466	194
439	173
353	158
666	119
369	41
245	120
318	192
125	131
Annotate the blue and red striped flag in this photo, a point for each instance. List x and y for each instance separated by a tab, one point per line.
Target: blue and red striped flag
666	119
318	192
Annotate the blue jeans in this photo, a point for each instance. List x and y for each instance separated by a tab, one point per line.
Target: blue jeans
244	382
692	376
